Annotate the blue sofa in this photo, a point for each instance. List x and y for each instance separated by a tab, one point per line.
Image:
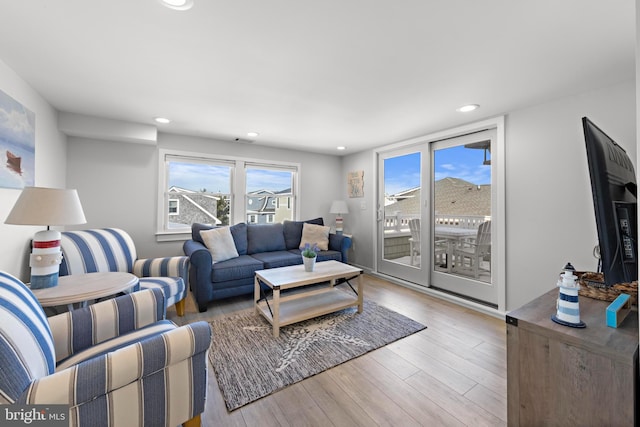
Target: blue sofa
259	246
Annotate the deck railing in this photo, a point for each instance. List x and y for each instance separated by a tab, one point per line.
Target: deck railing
399	222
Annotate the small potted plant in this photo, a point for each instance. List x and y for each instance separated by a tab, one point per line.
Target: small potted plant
309	254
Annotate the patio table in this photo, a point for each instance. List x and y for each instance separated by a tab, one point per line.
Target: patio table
453	235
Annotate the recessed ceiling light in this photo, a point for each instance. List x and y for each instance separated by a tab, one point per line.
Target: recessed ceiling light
341	148
467	108
162	120
252	134
177	4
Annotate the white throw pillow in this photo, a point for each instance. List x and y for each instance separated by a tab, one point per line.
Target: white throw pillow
315	235
220	243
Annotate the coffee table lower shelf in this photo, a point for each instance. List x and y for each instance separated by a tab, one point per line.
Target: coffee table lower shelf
299	307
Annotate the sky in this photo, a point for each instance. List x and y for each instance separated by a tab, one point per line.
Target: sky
216	179
403	172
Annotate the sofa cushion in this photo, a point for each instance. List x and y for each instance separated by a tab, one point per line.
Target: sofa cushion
242	267
265	238
196	228
322	255
238	231
293	231
278	259
220	243
315	235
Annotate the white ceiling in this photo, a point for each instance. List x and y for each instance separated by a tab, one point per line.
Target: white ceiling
314	75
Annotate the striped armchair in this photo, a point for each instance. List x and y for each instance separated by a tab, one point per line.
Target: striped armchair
111	249
115	363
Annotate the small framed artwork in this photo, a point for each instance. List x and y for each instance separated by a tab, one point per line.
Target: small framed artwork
355	184
17	144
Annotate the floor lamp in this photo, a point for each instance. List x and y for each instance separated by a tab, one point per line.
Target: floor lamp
46	206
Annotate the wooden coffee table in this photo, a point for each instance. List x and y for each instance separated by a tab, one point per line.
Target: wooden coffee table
281	311
81	288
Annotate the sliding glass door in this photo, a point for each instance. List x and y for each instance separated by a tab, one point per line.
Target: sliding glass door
401	241
440	213
461	209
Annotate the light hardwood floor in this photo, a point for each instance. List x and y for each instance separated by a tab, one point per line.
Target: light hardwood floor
451	374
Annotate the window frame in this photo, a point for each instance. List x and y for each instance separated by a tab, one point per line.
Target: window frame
237	207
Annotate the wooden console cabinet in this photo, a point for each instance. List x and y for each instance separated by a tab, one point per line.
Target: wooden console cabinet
563	376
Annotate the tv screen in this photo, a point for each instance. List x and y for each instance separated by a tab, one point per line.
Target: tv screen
613	185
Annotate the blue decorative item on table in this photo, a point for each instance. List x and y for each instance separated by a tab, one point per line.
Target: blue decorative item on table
567	305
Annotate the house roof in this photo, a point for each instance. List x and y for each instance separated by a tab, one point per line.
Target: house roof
453	196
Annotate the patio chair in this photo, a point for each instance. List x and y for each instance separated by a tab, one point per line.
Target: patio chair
440	252
111	249
470	254
117	362
414	240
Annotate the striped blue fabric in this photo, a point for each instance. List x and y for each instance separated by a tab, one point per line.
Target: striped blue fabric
112	249
96	411
117	343
135	385
80	329
137	369
154	387
172	287
97	250
26	343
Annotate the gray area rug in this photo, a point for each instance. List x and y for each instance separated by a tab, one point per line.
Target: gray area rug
250	363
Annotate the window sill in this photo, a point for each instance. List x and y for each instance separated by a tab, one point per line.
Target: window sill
172	236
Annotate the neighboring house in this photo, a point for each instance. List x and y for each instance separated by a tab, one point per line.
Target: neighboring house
264	206
404	203
453	196
188	206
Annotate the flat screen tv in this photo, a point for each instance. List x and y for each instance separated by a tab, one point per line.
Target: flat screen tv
613	185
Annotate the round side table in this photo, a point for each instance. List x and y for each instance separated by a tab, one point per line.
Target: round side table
81	288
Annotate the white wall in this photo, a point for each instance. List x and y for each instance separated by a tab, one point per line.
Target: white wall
549	207
550	215
50	165
117	182
360	222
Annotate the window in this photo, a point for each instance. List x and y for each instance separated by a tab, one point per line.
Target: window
222	191
174	207
266	187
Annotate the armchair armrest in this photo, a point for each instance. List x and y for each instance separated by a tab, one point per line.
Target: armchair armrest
115	373
80	329
175	266
341	243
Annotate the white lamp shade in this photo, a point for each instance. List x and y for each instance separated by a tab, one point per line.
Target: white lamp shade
47	206
339	207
